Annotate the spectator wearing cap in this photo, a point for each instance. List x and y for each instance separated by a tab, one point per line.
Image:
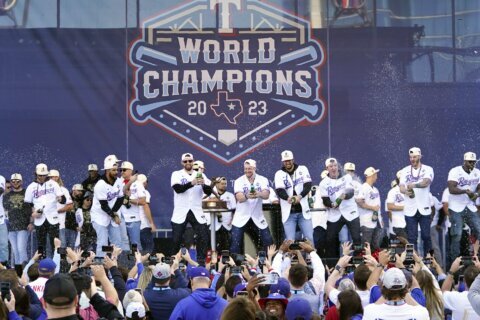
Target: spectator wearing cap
88	236
135	311
93	177
368	200
46	270
394	206
189	187
464	186
160	297
293	184
107	200
147	225
203	303
393	304
18	220
298	308
77	195
135	197
415	181
67	237
337	193
274	305
249	191
44	196
281	287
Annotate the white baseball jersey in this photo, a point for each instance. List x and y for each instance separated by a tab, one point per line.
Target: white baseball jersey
188	200
44	196
334	188
137	191
229	198
319	218
470	181
144	223
105	191
61	216
295	181
397	198
371	196
252	208
421	201
2	210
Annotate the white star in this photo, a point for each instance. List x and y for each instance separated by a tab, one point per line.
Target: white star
231	106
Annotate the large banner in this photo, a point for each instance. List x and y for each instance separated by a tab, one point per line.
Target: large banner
226	81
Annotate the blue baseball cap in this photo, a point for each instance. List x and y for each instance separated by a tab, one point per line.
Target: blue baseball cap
273	296
239	287
198	272
46	265
298	308
282	287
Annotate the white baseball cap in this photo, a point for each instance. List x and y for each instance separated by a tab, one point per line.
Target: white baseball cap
399	174
349	166
393	184
323	174
135	307
127	165
199	163
16	176
415	151
330	161
187	156
470	156
92	167
110	162
370	171
287	155
142	178
161	271
53	173
394	279
77	187
41	169
250	162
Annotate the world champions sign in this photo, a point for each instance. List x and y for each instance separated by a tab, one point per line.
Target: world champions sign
226	75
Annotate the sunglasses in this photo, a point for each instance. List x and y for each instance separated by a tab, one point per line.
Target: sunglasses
187	161
123	170
16	181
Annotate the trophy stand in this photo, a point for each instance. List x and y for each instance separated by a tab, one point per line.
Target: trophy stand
214	207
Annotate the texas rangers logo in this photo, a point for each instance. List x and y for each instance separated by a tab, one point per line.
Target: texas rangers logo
226	75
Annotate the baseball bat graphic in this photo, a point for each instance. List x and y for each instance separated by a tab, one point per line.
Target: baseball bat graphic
144	52
144	110
299	55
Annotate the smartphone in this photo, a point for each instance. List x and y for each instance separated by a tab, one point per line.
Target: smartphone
236	270
358	250
201	262
5	290
133	248
295	246
107	248
85	254
350	268
391	253
461	278
184	250
62	251
409	249
225	256
427	261
98	261
270	278
41	251
19	270
242	294
262	256
466	261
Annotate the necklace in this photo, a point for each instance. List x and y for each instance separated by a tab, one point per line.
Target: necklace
418	174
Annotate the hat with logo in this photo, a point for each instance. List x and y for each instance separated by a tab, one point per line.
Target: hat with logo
349	166
287	155
137	307
330	161
198	272
298	308
46	265
242	286
187	156
92	167
142	178
77	187
53	173
131	296
127	165
415	151
470	156
273	297
41	169
16	176
161	271
59	290
250	162
394	279
282	287
370	171
110	162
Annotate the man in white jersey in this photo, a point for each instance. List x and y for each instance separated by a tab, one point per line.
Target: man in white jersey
415	181
189	186
147	225
131	208
337	193
62	209
463	185
292	184
107	200
43	195
249	191
368	200
223	226
3	226
394	205
349	168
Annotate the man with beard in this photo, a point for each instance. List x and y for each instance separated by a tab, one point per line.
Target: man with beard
189	186
415	181
274	306
463	185
292	184
93	177
224	227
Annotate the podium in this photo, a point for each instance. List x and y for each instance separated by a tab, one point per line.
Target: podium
214	207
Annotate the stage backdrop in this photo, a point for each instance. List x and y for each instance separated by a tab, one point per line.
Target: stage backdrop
227	83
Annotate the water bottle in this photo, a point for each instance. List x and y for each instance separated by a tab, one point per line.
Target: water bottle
252	188
311	201
199	175
126	202
375	216
412	194
338	201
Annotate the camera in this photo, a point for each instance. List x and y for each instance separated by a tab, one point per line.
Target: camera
153	260
107	248
466	261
